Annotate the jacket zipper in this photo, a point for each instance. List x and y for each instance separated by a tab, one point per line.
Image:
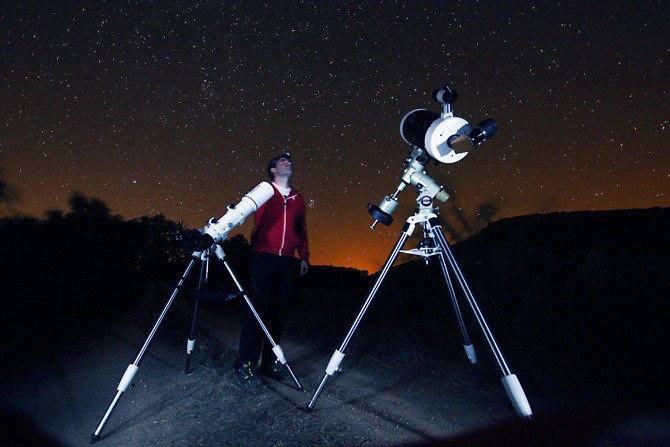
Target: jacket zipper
283	234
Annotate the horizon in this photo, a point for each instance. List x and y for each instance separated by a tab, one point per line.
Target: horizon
369	270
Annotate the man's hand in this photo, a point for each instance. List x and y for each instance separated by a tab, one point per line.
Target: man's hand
304	266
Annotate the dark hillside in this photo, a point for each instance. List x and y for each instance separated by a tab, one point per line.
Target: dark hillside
578	301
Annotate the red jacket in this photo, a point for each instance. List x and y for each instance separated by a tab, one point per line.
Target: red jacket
279	226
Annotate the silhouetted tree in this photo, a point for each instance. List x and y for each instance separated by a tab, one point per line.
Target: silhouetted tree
158	246
81	265
88	208
485	213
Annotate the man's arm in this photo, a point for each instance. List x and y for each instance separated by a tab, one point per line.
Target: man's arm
303	248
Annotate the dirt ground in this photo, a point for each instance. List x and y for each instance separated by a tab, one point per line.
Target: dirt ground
386	394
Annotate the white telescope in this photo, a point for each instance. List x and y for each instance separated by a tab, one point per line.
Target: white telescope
236	214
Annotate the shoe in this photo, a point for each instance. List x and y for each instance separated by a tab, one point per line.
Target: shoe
247	377
272	371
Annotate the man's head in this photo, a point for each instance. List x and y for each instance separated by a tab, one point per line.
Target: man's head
280	166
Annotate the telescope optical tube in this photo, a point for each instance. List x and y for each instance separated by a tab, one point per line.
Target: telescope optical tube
254	199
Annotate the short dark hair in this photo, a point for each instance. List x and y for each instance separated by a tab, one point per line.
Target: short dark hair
273	163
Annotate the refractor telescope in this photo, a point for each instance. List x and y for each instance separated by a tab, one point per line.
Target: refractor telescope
442	137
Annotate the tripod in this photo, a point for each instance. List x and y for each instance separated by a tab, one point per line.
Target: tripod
426	217
203	257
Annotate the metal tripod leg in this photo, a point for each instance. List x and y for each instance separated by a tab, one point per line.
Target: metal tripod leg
190	343
275	347
338	355
467	345
132	369
510	381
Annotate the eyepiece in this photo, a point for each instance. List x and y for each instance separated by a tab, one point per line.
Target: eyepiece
483	131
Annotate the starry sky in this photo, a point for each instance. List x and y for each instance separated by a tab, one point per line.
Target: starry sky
175	108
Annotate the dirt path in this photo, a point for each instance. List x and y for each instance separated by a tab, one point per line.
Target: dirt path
374	402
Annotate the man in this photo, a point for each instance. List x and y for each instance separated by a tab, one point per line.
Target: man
279	231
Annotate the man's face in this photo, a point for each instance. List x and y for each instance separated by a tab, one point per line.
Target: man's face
283	168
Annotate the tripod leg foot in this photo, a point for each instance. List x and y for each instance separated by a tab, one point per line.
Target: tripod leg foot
94	438
190	345
517	396
281	358
332	368
317	393
470	352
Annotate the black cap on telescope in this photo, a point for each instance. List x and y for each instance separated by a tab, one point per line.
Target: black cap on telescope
446	94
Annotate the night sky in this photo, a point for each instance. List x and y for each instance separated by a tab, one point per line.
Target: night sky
157	107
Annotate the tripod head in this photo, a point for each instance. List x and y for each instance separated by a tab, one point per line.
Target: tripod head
441	137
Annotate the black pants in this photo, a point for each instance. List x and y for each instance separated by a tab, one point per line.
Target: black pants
273	279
